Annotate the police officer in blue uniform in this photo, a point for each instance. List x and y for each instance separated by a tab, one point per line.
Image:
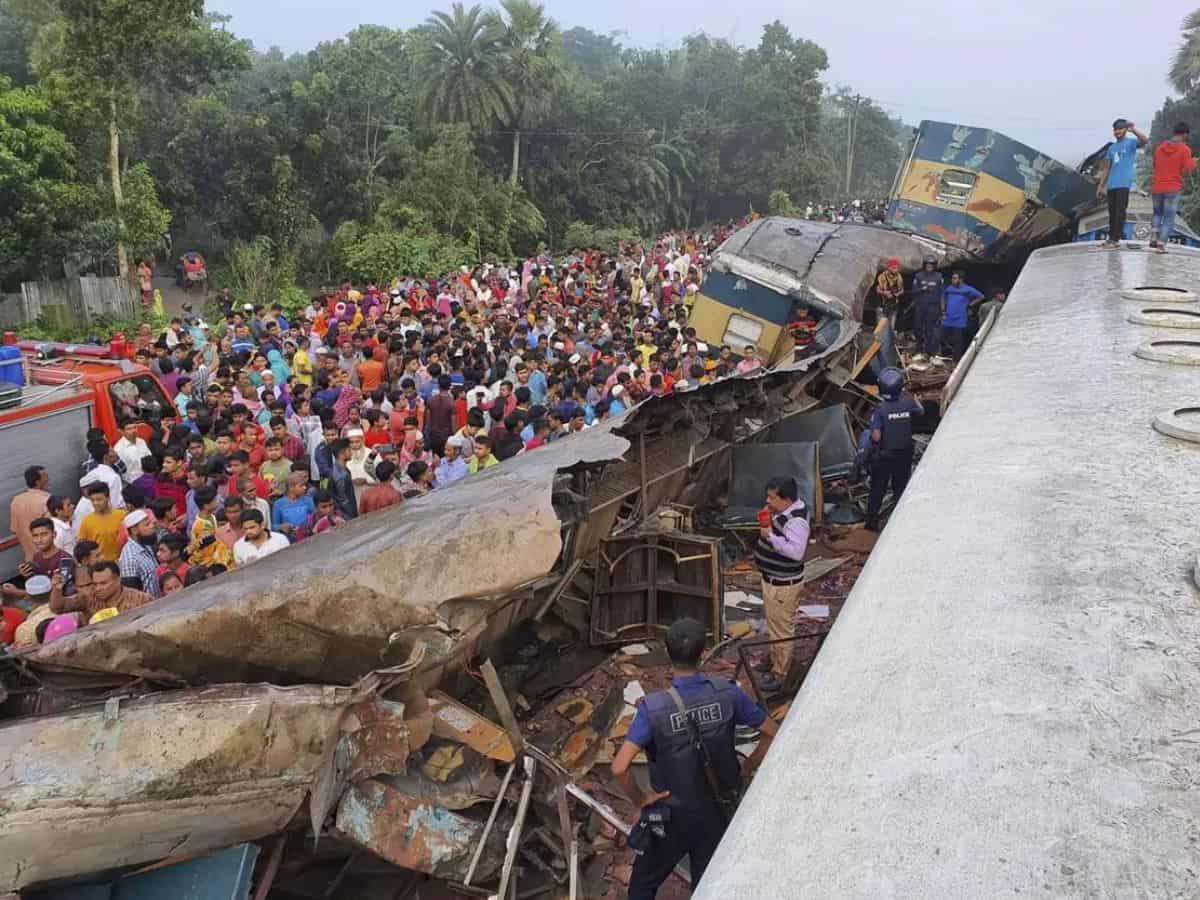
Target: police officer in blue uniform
695	775
927	288
891	447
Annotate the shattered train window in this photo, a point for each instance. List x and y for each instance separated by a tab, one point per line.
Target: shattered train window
742	331
955	186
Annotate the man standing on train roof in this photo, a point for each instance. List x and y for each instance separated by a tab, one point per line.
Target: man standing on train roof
891	442
1172	161
927	288
1116	176
688	733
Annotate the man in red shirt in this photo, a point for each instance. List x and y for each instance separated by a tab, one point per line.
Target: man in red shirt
172	479
381	495
293	447
1172	160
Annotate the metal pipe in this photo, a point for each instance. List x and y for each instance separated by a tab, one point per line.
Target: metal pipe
491	821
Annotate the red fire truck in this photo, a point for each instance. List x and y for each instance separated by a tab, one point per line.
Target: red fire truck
50	395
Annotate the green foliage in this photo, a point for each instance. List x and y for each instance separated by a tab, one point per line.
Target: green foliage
583	236
457	67
780	204
382	255
146	220
1185	64
482	134
257	273
102	327
40	200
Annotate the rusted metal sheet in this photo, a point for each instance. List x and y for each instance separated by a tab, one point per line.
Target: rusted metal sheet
412	833
180	773
355	598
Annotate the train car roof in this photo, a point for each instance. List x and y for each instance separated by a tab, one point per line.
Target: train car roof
1009	704
835	264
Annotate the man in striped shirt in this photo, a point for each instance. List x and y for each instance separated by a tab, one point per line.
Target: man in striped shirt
779	555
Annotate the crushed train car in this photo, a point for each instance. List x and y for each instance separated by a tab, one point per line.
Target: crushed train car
179	773
773	277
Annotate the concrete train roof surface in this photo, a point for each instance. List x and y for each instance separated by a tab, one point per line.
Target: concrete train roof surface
1009	703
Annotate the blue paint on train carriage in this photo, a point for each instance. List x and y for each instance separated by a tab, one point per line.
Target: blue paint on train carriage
1178	237
1040	177
749	297
1093	223
954	227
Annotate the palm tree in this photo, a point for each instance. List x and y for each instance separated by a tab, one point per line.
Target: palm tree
458	68
532	67
1185	65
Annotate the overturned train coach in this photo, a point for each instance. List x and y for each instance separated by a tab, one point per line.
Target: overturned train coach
982	195
793	288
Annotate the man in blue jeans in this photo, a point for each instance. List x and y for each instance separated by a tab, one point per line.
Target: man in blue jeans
1172	161
956	300
1116	177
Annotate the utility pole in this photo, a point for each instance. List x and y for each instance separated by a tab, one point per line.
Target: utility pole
851	134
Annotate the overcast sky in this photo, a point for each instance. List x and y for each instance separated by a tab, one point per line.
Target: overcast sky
1051	73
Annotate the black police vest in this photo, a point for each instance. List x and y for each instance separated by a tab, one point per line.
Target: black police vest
770	561
928	287
675	764
896	416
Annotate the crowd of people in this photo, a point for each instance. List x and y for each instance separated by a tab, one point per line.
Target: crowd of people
275	428
857	211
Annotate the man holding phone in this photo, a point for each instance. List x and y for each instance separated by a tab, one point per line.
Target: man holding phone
46	559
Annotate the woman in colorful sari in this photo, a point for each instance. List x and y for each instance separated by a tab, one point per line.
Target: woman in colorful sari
350	396
204	548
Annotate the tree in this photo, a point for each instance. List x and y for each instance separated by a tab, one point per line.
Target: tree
1185	64
457	68
355	100
113	45
20	22
597	56
532	67
116	52
41	202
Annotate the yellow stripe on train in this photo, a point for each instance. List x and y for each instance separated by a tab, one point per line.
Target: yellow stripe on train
980	195
715	324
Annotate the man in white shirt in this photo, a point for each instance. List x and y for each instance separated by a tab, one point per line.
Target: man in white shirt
132	450
102	470
257	540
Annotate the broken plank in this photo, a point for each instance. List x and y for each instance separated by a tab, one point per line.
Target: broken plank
569	841
503	707
557	592
819	568
609	815
456	722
